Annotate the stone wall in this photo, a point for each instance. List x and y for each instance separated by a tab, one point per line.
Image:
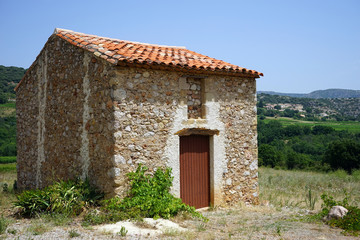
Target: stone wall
80	116
62	121
151	111
145	103
238	111
27	109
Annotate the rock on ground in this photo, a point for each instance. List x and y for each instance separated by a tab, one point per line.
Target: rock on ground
336	212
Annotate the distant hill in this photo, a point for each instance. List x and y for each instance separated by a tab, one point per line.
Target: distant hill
283	94
310	108
328	93
334	93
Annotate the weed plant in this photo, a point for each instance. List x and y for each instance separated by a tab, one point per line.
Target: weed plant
123	231
171	232
149	196
12	231
3	224
5	188
63	197
57	219
73	234
310	199
201	227
38	228
7	191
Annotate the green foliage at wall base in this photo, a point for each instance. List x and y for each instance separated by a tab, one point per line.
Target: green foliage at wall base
64	197
149	196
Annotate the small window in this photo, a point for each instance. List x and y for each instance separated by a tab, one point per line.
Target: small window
194	98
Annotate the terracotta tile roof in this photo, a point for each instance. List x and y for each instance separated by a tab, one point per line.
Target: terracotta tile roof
121	52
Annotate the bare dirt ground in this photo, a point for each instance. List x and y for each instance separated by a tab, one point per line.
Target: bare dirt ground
246	222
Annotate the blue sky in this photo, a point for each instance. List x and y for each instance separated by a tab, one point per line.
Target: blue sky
300	46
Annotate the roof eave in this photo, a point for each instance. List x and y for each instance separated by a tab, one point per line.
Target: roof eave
185	69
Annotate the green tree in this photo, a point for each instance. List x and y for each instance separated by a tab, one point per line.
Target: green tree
270	131
319	129
3	98
343	154
289	113
260	111
308	110
260	104
267	155
293	130
296	160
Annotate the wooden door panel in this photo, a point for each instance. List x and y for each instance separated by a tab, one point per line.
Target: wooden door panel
195	170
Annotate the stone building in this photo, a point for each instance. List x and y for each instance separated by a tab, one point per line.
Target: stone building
97	107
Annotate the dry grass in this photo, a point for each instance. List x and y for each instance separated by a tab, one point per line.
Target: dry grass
256	222
38	227
7	177
284	188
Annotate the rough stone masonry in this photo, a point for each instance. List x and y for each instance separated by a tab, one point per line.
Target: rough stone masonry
79	115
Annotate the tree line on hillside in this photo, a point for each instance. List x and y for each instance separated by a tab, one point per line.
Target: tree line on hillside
9	77
320	148
8	136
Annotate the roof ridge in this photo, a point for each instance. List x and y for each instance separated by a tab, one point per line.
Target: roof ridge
57	31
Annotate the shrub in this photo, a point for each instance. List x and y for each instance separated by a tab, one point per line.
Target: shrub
329	202
350	222
64	197
340	173
356	174
149	196
5	188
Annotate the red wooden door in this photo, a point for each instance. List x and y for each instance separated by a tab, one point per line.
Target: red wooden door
195	170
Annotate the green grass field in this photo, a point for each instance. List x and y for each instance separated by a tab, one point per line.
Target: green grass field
9	159
350	126
8	167
8	105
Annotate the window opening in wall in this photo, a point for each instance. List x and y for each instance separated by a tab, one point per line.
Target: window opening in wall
194	98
